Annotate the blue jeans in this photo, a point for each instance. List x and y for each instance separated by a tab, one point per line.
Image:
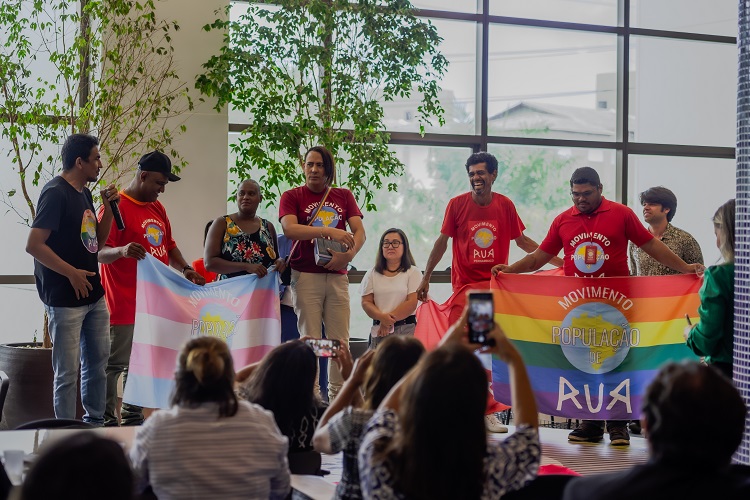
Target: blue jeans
80	337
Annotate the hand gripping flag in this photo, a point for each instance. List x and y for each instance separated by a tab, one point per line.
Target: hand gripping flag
592	345
170	310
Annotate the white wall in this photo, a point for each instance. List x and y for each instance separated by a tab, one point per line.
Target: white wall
202	193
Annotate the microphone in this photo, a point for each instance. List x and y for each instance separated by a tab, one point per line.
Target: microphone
116	213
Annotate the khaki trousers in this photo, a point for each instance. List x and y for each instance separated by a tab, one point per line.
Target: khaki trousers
323	299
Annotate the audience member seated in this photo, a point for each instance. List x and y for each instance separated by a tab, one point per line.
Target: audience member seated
343	422
83	466
209	444
685	463
408	452
283	383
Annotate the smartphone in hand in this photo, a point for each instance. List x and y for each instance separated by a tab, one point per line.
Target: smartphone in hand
324	348
481	317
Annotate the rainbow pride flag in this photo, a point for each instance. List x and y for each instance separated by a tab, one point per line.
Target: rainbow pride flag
592	345
170	310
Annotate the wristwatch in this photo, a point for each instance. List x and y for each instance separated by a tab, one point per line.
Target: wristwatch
187	266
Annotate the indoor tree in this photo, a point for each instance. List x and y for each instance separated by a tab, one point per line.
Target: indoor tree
104	67
309	72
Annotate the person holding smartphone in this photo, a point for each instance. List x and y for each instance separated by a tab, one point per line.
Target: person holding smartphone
343	424
389	290
283	383
400	456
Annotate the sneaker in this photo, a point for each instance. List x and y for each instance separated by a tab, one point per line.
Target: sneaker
586	432
493	424
618	436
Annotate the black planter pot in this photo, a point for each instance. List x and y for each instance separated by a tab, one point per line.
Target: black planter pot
29	368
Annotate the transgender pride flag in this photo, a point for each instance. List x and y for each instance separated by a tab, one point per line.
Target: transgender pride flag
592	345
170	310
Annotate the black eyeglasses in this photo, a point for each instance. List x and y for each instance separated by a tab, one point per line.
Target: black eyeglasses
393	244
585	194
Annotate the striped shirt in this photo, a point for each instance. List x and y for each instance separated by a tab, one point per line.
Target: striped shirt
192	453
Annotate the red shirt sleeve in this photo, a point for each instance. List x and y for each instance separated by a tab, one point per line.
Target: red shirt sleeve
552	243
449	220
352	210
288	205
634	230
514	221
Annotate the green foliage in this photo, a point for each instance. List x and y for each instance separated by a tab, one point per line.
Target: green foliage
310	72
91	66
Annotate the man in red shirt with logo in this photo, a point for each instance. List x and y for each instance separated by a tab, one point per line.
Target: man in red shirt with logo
594	234
147	229
482	225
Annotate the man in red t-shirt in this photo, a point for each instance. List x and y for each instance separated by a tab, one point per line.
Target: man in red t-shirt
482	225
594	234
147	229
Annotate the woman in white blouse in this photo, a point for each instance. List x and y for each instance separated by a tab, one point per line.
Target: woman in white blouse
389	290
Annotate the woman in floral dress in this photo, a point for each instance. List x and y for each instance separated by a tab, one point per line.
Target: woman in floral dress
242	243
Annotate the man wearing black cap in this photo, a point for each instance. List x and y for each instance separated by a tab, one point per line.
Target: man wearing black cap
594	235
147	230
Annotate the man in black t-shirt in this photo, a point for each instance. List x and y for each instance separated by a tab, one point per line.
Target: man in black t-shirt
64	241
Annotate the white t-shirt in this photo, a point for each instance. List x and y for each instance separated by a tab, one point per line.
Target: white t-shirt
390	291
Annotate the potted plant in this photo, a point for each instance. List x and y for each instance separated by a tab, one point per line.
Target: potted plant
107	68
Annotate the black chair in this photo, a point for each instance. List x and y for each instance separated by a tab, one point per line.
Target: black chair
4	384
56	423
305	462
548	487
358	347
5	484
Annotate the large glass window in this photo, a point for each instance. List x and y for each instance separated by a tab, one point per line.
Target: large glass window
551	105
552	83
701	185
467	6
683	92
458	96
692	16
573	11
433	175
536	179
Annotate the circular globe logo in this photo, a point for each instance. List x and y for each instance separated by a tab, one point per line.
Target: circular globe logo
483	238
579	257
594	337
154	234
327	217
